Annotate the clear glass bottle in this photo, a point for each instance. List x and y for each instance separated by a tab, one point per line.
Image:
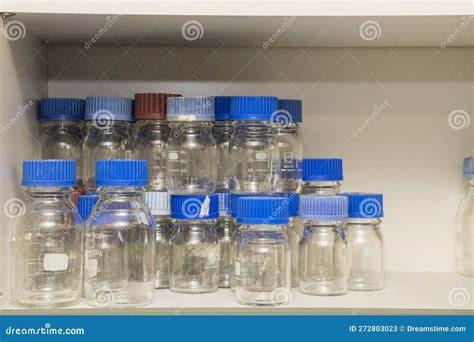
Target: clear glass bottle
324	260
253	146
150	136
195	251
222	132
365	241
48	240
225	227
108	134
159	204
465	223
262	264
191	149
322	177
120	241
290	148
61	131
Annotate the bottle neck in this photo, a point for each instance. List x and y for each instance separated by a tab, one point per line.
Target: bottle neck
263	227
61	124
190	127
258	128
121	191
43	192
290	128
122	127
323	225
322	188
152	123
370	223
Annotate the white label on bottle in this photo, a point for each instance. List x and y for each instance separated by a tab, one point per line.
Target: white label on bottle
261	155
172	156
28	236
92	267
237	268
55	262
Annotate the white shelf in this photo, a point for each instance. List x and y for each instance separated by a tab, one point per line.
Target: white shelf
405	293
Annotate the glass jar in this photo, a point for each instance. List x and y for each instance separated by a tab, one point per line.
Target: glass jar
191	149
195	250
151	134
108	134
324	260
225	227
159	204
365	241
290	148
321	177
222	133
253	146
262	264
47	242
465	224
120	240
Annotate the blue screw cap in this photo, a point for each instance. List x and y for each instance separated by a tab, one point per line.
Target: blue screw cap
194	207
85	204
46	173
108	109
323	208
294	108
262	210
61	109
223	108
469	168
121	173
364	205
191	109
322	170
248	108
224	204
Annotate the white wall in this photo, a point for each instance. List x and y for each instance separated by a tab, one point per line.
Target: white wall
409	151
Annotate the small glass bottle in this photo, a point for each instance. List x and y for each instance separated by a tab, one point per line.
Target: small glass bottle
191	149
225	232
108	134
324	260
159	204
365	241
195	251
151	134
465	223
290	148
120	240
48	240
222	132
321	177
253	146
61	131
262	264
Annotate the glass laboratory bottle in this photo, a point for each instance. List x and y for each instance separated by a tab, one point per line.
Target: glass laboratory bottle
262	264
47	244
365	241
151	134
465	222
321	177
191	149
120	240
225	227
324	259
108	134
290	148
195	251
159	204
253	146
222	132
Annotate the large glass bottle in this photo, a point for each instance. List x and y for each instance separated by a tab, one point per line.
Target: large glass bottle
465	223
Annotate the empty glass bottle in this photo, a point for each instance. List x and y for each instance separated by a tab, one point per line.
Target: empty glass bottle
47	243
195	249
120	240
365	241
151	134
324	260
465	223
321	176
108	133
191	149
61	131
290	148
225	232
222	132
253	146
262	264
159	204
